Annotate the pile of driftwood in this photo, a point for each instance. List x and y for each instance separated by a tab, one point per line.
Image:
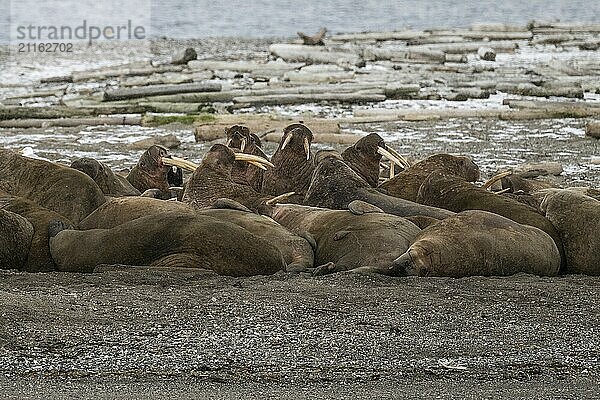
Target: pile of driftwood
540	60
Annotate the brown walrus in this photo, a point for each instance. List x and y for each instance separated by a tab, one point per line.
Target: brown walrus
111	184
38	257
296	249
64	190
292	162
577	219
167	240
364	157
405	184
16	234
479	243
335	185
151	172
240	138
212	181
362	237
455	194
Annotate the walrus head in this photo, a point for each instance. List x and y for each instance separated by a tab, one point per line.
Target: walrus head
365	156
88	166
418	260
238	137
453	165
151	172
296	139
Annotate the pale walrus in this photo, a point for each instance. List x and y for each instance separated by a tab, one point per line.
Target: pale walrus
16	233
212	180
292	162
296	250
38	257
111	184
455	194
65	190
362	237
151	172
479	243
335	185
240	139
167	240
577	219
406	184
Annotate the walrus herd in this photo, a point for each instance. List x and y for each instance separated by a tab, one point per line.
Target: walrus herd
240	213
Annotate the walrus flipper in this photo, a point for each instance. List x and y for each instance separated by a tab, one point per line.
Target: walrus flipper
359	207
228	204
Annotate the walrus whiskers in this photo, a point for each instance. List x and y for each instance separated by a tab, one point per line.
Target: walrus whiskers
276	199
495	179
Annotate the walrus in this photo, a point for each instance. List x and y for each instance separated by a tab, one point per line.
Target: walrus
362	238
292	162
167	240
335	185
364	157
111	184
405	184
38	257
455	194
577	219
296	249
212	180
240	138
16	233
151	172
477	242
69	192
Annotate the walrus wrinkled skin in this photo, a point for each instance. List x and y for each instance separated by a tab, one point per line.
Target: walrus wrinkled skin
364	239
111	184
212	181
151	173
16	234
476	243
65	190
38	258
240	139
406	184
364	159
335	185
296	250
455	194
577	219
168	240
293	164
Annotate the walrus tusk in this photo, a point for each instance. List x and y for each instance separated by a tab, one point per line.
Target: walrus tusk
495	179
276	199
400	157
392	174
243	144
258	165
287	141
389	156
307	148
228	142
180	162
252	157
502	191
